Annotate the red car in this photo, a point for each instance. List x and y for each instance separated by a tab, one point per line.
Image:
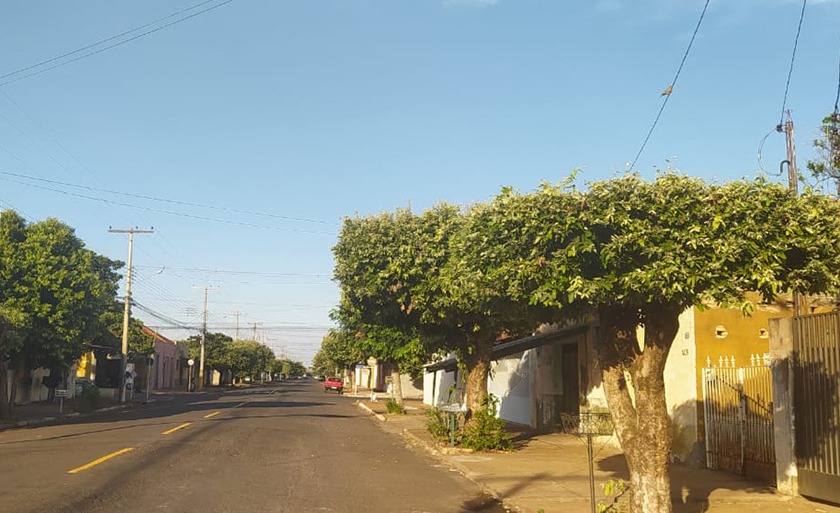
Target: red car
333	383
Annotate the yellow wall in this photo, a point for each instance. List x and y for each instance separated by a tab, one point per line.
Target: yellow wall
87	366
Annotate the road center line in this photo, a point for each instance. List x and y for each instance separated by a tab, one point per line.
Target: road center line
176	428
240	404
100	460
212	414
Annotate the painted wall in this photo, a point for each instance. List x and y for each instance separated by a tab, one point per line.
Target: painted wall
436	388
165	371
510	381
681	393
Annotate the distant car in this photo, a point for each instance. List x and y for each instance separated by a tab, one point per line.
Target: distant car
320	378
334	383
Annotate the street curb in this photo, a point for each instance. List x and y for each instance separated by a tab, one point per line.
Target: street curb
365	407
461	469
45	420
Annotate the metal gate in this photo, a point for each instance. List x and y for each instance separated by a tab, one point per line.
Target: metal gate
738	417
816	370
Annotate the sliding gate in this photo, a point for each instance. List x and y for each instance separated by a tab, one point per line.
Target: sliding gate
816	371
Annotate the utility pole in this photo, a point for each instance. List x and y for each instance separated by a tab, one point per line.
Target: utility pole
203	341
127	310
793	183
236	331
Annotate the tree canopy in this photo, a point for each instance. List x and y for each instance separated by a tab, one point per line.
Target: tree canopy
53	292
626	252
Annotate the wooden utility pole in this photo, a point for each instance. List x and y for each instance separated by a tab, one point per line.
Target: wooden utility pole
200	384
793	183
127	310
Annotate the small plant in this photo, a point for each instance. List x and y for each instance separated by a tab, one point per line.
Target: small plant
437	423
394	407
89	399
614	489
485	431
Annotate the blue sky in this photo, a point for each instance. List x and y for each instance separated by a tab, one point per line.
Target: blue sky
285	116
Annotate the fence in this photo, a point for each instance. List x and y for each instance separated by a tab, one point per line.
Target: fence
738	417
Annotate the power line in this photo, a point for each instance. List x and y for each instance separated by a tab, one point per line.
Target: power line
670	88
166	200
108	47
256	273
792	60
162	211
161	317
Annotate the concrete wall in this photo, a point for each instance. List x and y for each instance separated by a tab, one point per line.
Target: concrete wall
409	389
165	372
681	394
436	386
510	381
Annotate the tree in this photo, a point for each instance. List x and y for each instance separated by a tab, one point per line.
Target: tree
53	295
636	254
109	336
376	301
827	165
337	352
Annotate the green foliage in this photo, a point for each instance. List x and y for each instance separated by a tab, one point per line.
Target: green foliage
394	407
485	431
827	165
437	423
338	351
614	490
89	400
53	291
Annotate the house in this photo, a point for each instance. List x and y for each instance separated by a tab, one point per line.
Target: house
165	370
540	378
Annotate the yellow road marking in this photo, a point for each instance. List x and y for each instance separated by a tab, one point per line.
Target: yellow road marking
100	460
212	414
176	428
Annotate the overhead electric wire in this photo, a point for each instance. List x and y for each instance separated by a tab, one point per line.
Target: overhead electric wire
670	88
161	317
792	60
162	211
166	200
256	273
108	47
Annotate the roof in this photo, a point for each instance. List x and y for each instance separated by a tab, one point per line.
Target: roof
517	346
157	336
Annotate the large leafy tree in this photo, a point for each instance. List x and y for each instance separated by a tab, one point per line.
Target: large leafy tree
53	295
215	350
376	298
636	254
109	338
247	358
338	351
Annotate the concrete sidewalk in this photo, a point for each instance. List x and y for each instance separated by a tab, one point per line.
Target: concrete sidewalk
550	472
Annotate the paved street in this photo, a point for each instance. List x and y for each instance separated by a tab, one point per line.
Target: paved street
284	447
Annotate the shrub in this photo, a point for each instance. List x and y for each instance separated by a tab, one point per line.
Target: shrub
485	431
437	422
89	398
395	407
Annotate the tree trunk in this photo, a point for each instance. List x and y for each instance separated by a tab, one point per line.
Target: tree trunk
478	369
5	406
641	419
396	384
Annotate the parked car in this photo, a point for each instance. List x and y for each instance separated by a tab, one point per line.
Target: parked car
333	383
320	378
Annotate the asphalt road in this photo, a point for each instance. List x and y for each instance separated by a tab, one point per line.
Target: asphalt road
286	448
